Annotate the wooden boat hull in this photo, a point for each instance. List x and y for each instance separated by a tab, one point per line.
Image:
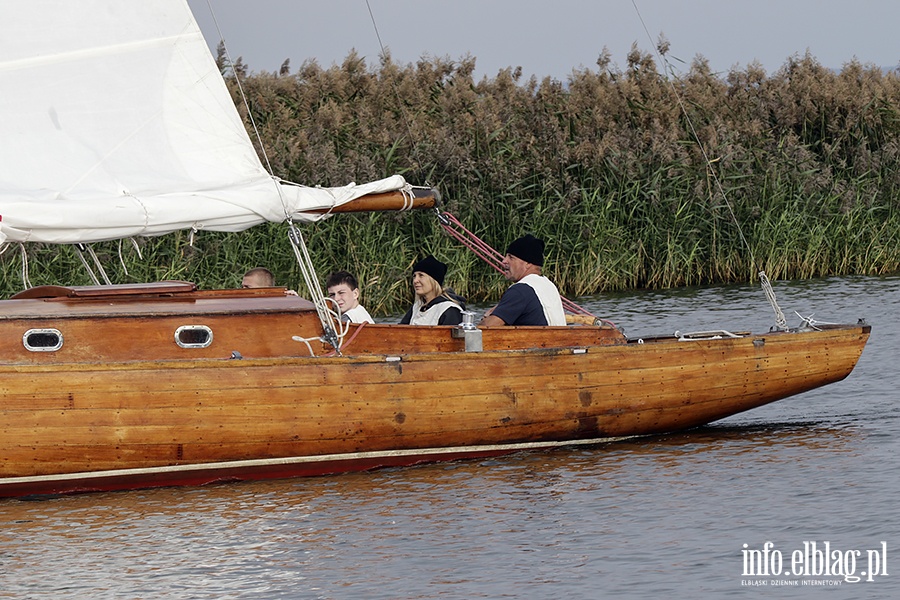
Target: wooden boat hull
399	395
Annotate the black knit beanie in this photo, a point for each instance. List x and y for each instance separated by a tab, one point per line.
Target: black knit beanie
433	267
528	248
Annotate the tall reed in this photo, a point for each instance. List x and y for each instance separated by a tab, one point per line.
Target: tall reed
795	173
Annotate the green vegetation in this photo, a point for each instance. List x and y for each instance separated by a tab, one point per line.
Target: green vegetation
605	167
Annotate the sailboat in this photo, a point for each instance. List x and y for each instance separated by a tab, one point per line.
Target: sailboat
122	127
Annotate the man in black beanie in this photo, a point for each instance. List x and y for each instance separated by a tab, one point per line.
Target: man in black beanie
532	299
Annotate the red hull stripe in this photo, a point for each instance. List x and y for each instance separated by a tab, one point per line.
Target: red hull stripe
251	470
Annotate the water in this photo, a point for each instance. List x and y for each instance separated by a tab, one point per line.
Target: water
665	516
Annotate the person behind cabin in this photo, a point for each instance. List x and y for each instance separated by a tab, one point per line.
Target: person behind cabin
434	304
258	277
261	277
343	288
532	299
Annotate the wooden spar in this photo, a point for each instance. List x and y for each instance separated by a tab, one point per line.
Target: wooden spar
387	201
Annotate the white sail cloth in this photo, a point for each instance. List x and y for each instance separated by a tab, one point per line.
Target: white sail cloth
115	122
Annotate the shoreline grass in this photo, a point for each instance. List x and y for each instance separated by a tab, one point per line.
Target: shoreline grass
605	167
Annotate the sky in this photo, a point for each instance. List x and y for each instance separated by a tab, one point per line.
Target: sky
553	37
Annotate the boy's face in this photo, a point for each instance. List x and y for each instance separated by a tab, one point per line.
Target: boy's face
346	298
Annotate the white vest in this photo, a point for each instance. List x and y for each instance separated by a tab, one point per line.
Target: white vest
548	295
358	315
432	315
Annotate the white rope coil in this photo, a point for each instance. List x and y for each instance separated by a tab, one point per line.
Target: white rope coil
409	197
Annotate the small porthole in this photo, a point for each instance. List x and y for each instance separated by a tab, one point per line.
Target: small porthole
193	336
43	340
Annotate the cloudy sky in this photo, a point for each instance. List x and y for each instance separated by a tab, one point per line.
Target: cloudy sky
556	36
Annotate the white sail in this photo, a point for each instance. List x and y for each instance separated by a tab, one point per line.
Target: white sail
115	122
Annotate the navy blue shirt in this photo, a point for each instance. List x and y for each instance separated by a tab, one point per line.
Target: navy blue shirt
519	305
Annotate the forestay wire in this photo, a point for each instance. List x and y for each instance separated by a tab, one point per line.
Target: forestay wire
332	327
400	102
240	87
763	278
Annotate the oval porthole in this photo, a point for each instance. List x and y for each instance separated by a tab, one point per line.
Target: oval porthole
43	340
193	336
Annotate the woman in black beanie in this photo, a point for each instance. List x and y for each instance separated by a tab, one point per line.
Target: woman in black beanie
434	304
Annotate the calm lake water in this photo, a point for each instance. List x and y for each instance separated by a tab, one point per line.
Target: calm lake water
667	516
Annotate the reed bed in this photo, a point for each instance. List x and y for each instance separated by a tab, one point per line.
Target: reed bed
634	179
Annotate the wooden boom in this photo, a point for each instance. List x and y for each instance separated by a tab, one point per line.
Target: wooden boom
396	200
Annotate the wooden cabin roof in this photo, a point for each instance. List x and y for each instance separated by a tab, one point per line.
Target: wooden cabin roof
165	297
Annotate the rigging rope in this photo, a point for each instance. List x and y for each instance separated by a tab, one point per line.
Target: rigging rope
26	280
780	321
483	250
400	103
79	250
137	249
332	327
237	80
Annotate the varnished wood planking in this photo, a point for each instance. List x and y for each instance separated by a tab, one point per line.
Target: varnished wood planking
241	375
353	418
241	315
137	338
114	401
